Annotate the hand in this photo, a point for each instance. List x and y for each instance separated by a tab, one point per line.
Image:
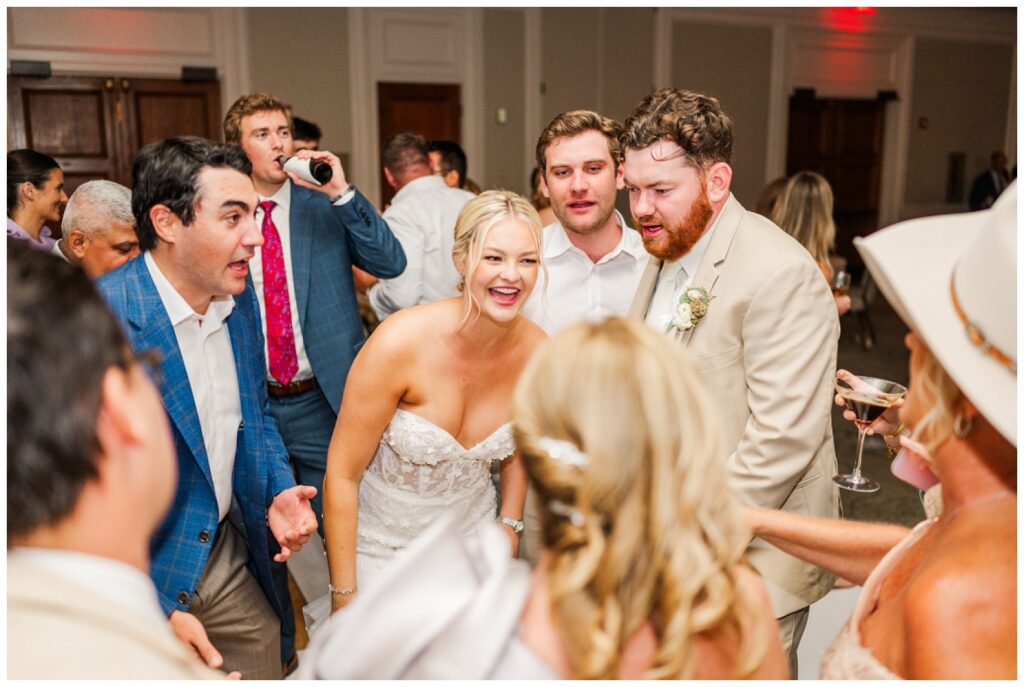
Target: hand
886	422
338	183
843	304
189	630
291	519
362	279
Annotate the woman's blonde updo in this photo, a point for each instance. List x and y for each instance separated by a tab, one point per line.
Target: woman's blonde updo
648	529
475	221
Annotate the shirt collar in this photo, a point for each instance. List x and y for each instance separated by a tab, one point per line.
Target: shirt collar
178	309
112	580
556	241
283	197
427	181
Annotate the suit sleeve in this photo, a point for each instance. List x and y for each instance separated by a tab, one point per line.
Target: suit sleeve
405	290
371	243
790	334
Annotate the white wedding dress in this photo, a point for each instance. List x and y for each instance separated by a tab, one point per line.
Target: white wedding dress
419	473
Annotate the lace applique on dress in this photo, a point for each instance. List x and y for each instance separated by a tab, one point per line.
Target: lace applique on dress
420	472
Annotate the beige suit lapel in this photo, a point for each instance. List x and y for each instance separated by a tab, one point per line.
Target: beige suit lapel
714	255
645	290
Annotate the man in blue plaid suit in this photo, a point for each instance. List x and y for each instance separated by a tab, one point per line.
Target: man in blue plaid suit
237	511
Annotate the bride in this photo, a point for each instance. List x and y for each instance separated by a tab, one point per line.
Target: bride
427	404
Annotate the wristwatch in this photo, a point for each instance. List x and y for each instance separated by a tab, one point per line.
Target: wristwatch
516	525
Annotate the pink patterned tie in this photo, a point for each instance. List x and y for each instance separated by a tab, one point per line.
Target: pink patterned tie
280	337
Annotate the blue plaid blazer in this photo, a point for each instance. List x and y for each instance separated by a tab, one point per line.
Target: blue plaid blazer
326	241
182	543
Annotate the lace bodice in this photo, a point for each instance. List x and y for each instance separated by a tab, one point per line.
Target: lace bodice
418	473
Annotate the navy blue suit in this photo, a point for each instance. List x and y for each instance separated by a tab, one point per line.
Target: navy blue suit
326	241
183	542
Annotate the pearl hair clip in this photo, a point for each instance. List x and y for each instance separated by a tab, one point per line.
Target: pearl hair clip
564	451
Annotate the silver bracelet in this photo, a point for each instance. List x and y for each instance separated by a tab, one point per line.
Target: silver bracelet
348	591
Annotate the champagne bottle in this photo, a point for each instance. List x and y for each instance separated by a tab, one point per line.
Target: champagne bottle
313	171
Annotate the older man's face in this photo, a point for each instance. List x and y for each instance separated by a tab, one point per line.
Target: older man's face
106	250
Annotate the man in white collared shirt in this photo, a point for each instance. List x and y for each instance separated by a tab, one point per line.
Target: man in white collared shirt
422	214
84	500
592	258
236	501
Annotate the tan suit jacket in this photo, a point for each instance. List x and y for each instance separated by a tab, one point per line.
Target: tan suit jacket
59	630
766	349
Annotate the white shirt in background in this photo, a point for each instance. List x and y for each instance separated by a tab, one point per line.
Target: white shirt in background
578	289
210	365
422	216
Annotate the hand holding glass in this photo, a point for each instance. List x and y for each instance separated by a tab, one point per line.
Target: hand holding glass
841	283
868	398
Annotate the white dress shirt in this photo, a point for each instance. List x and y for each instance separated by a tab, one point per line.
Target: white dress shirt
422	216
210	365
578	289
115	582
673	278
280	215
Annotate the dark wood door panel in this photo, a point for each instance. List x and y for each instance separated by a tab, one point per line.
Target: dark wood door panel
432	110
69	118
95	126
842	141
160	109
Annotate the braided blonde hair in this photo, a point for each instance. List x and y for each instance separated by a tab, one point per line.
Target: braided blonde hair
655	534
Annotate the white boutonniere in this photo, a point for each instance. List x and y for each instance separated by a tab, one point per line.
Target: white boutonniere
693	306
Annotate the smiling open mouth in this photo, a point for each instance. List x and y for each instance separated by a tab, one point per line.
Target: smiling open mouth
504	295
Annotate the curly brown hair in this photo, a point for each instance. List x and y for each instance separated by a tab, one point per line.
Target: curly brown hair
251	104
569	124
694	121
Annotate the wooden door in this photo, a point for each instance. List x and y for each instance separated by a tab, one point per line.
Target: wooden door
842	141
431	110
94	126
160	108
70	118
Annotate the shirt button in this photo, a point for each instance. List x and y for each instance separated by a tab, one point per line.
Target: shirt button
182	597
204	536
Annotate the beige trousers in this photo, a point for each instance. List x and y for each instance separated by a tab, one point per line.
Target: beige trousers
239	620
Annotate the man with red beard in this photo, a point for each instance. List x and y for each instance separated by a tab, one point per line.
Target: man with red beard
750	306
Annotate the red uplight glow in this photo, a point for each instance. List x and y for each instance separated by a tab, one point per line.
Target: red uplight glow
848	19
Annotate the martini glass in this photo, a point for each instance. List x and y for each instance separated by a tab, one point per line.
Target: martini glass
868	398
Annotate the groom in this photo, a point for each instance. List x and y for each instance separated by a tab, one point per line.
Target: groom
756	316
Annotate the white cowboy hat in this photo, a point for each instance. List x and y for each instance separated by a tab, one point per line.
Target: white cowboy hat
953	280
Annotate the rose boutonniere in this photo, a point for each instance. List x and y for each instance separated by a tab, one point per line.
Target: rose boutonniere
693	306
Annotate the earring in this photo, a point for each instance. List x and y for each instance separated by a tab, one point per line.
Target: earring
962	426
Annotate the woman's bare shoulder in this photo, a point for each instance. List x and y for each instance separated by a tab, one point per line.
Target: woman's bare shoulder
960	605
408	329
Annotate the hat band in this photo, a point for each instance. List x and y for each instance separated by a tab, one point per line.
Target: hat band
976	336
